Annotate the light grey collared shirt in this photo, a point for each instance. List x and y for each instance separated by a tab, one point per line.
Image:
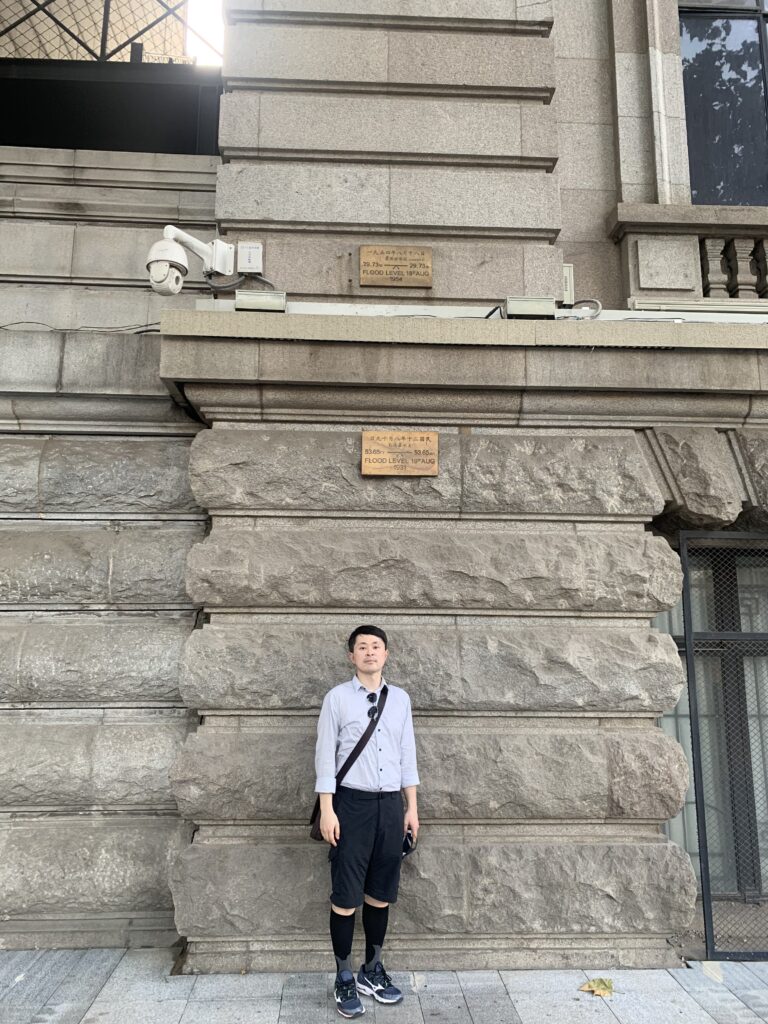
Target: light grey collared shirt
388	761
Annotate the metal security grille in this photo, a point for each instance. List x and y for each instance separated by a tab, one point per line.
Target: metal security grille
150	30
725	609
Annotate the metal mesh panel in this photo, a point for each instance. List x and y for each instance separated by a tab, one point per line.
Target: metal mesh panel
72	29
726	637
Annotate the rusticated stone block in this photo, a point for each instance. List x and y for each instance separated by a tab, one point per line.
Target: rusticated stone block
94	474
453	566
81	865
704	474
256	469
506	473
233	889
754	449
85	759
91	659
591	474
481	769
491	665
61	563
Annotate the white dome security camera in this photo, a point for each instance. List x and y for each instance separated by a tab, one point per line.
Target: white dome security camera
167	265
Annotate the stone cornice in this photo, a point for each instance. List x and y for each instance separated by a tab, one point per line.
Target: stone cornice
649	218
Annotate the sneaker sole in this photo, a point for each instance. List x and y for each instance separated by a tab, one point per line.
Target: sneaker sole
349	1016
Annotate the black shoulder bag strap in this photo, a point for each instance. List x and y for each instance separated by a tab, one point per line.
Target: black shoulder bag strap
314	821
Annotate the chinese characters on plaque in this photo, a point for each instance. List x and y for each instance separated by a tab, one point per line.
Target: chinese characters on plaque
400	453
396	266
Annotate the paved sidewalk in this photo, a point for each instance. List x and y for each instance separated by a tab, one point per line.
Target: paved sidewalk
105	986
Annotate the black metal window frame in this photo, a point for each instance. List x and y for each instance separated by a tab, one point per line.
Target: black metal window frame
727	616
752	12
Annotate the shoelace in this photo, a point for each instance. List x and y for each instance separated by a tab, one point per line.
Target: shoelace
345	992
381	976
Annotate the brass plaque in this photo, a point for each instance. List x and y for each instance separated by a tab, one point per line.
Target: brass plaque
396	266
400	453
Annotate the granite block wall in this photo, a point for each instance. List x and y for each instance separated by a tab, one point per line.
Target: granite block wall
94	529
517	588
345	124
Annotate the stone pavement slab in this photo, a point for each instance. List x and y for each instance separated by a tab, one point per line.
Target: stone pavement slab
647	997
260	1010
29	987
716	998
140	1011
136	987
143	976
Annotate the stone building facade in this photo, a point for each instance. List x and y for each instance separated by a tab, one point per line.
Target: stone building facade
188	536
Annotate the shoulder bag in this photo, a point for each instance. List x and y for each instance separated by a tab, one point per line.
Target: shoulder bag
314	821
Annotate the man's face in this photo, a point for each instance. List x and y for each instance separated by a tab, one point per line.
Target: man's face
368	654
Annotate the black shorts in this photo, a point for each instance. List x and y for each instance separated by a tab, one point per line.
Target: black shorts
367	859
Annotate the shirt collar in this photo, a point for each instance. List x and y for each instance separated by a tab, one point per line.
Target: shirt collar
355	682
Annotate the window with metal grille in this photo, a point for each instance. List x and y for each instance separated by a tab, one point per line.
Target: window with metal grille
722	632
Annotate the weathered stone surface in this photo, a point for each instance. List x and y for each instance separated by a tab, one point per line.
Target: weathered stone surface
442	565
499	769
754	449
231	889
600	474
19	463
62	865
108	564
306	469
491	665
90	474
704	473
91	659
86	759
518	472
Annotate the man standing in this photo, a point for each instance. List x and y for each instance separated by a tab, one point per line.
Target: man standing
363	819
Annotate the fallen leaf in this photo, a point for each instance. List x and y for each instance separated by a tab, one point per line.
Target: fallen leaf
598	987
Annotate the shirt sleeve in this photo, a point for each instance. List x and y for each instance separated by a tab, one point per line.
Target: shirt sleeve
409	775
325	749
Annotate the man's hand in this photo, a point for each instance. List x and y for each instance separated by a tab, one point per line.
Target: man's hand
329	827
411	822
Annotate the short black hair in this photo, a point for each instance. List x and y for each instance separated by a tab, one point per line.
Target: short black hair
367	631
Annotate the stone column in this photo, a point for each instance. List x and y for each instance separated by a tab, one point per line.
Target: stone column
517	588
652	135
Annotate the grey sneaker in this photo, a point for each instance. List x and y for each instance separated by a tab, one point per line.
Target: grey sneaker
377	983
347	1002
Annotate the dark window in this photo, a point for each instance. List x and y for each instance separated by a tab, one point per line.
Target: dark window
724	50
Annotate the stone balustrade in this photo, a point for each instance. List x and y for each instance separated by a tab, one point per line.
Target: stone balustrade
689	253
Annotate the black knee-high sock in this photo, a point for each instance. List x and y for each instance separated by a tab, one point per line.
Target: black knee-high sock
342	933
375	924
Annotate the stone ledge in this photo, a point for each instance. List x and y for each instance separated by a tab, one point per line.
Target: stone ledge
98	931
430	951
649	218
101	168
412	330
488	15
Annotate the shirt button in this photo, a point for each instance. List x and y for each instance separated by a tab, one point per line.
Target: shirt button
381	769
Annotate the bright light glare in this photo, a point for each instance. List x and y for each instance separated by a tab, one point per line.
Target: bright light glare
206	18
